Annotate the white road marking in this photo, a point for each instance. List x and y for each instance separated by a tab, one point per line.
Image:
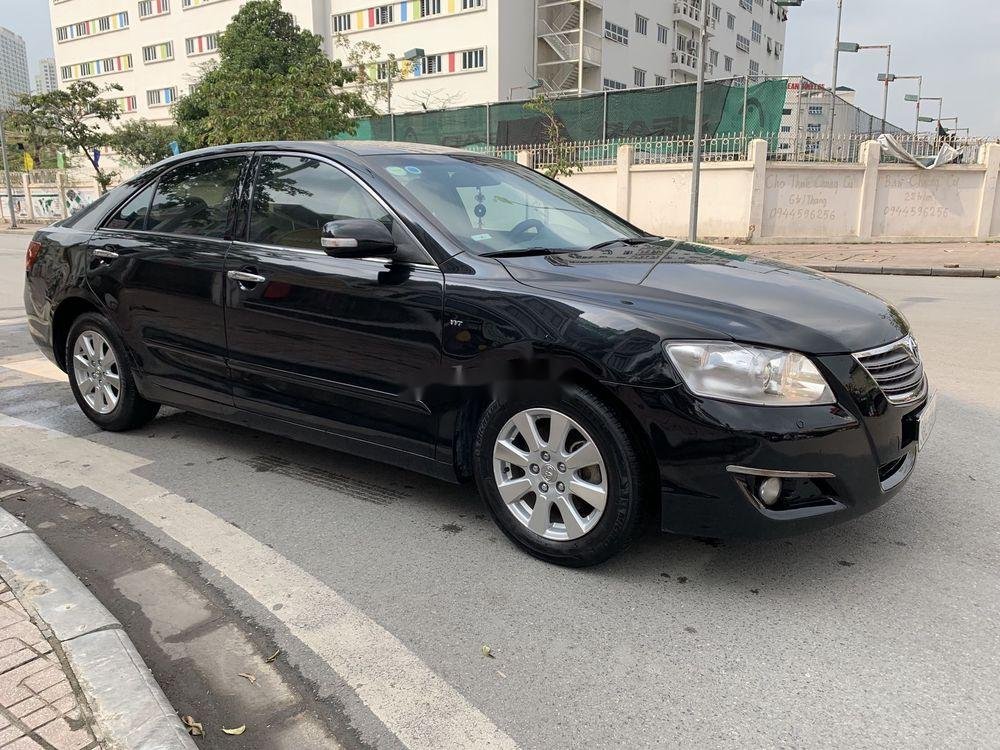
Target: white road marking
413	702
40	367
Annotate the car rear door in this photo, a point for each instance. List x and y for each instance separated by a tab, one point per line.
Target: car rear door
344	345
158	265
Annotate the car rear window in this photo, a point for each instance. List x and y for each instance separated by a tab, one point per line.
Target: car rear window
195	198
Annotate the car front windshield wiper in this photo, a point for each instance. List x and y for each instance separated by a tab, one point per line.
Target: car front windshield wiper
518	252
625	241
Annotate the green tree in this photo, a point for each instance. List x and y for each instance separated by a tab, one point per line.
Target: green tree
272	82
141	142
78	118
558	157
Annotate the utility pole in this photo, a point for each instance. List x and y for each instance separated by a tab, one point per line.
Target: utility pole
885	94
6	172
836	64
699	103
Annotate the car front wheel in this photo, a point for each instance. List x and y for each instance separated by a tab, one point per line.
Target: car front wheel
560	476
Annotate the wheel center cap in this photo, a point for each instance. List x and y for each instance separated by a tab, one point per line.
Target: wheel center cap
549	473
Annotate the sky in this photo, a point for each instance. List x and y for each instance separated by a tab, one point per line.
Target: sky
952	43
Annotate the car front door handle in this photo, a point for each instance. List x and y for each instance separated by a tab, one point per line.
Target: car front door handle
245	277
105	254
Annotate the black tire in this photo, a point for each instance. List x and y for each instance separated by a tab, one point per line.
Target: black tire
622	516
131	410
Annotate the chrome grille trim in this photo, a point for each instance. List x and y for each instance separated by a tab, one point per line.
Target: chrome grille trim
897	370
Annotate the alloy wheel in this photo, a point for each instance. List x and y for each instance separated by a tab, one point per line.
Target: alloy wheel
95	367
550	474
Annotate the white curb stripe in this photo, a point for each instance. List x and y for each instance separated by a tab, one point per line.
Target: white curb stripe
413	702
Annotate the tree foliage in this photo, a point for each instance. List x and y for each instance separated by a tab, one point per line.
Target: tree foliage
77	118
272	82
559	155
141	142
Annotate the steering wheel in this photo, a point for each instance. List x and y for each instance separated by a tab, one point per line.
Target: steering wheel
523	227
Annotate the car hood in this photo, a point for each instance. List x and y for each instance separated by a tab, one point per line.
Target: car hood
726	294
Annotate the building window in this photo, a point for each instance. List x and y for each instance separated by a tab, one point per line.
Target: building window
471	4
814	127
742	43
158	52
383	15
662	34
342	22
661	80
682	42
161	97
430	8
713	57
640	77
754	69
613	85
747	5
815	109
615	33
755	32
201	45
728	64
716	13
149	8
641	25
101	25
786	128
474	59
431	65
731	21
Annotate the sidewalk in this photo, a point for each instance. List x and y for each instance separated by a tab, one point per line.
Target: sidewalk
916	259
70	679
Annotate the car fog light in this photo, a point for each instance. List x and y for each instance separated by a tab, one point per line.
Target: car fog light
769	491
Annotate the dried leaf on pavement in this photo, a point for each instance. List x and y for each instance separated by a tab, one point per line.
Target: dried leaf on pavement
248	677
273	656
488	652
238	730
194	727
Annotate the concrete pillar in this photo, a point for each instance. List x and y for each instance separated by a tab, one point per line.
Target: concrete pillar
524	159
987	199
870	156
61	188
27	197
623	200
757	156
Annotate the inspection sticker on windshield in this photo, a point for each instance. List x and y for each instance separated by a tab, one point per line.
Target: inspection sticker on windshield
397	171
413	170
481	237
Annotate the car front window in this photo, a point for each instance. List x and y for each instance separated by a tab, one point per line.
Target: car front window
488	205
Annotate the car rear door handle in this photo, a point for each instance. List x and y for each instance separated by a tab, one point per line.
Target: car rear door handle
106	254
245	277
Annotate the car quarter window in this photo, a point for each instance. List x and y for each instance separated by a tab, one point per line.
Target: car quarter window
294	197
133	214
195	198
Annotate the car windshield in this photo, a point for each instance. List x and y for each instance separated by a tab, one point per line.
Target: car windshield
494	207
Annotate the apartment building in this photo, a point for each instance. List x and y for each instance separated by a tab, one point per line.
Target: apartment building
14	80
46	79
472	51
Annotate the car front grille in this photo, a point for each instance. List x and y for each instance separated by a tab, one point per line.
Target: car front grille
897	369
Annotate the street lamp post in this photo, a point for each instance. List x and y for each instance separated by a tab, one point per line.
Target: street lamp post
890	77
533	87
699	104
851	47
836	65
6	172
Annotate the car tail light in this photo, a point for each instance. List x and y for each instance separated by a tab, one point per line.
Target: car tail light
34	250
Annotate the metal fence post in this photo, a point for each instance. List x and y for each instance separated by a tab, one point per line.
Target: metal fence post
487	125
604	124
746	100
392	127
798	120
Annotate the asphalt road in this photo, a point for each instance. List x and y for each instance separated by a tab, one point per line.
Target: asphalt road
380	587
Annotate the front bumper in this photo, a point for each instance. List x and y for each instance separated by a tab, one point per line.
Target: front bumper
711	456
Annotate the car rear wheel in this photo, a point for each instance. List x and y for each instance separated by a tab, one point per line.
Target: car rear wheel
560	477
100	376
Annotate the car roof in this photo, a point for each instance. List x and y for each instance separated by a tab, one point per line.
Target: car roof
331	148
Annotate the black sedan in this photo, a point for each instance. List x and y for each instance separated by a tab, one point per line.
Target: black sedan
465	317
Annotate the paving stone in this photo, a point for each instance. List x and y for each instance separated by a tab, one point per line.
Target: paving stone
44	679
25	743
9	734
53	693
27	706
60	733
42	716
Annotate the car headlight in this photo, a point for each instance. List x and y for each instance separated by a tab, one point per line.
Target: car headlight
748	374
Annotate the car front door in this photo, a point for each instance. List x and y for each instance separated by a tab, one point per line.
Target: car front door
158	266
346	345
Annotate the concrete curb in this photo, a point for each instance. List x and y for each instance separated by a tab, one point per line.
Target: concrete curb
129	708
977	273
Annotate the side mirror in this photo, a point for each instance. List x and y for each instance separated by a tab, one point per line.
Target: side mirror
357	238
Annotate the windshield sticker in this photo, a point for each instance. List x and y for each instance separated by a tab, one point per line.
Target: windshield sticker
413	170
397	171
482	237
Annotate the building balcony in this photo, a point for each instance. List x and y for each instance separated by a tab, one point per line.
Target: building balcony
688	62
690	14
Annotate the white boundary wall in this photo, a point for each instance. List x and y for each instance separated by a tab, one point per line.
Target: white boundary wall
784	202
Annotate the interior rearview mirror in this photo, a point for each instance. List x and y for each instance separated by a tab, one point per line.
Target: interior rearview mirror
357	238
